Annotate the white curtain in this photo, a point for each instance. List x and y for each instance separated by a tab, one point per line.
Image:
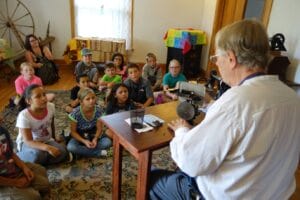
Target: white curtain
104	18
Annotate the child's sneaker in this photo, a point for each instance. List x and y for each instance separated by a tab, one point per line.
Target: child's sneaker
103	153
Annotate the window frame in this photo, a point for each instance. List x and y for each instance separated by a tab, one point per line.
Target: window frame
72	17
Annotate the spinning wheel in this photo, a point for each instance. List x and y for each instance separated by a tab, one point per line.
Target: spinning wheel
16	22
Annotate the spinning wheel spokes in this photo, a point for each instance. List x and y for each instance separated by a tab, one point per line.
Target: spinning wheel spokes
16	22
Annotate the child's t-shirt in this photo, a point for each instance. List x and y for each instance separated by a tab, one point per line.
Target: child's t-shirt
171	81
114	79
40	127
82	68
83	124
153	74
21	83
114	108
74	92
140	91
7	168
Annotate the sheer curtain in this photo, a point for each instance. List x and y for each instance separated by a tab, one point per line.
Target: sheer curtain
104	18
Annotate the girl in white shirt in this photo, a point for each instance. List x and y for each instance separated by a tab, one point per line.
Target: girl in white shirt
36	140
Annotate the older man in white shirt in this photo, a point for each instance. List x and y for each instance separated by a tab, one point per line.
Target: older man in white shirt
248	145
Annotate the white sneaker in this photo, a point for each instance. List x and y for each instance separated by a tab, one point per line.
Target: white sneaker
103	153
70	158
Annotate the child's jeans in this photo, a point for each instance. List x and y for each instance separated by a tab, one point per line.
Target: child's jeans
78	148
34	155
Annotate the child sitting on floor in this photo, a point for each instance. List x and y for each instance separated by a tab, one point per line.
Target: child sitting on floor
118	100
171	79
110	77
152	72
139	88
27	78
82	82
36	141
86	128
86	66
19	180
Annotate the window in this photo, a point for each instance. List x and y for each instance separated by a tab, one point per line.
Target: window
104	19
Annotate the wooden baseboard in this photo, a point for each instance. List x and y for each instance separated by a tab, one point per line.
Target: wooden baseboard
60	61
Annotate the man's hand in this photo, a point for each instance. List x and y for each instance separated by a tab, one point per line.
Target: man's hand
178	123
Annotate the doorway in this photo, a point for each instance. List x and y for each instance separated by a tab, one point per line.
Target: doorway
229	11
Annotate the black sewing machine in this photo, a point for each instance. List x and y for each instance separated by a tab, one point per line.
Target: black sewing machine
213	80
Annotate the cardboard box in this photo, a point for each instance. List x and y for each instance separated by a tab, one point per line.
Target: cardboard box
106	45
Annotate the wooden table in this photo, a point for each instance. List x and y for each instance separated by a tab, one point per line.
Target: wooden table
140	145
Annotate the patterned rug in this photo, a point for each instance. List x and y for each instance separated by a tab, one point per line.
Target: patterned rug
87	178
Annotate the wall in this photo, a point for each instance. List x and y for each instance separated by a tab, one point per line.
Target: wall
153	18
58	13
285	19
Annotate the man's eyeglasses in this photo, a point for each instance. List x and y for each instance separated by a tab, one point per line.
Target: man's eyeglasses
214	58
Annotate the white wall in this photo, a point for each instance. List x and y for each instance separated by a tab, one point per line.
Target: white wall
58	13
153	18
285	19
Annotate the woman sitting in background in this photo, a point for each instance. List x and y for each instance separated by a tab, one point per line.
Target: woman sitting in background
38	56
34	50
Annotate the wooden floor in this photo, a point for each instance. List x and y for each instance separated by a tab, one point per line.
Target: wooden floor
66	82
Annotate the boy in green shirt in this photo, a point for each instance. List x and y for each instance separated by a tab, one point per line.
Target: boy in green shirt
110	77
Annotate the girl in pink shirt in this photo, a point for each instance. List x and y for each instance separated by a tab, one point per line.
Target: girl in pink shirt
27	78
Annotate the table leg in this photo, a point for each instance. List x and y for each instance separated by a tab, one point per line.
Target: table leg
117	169
144	165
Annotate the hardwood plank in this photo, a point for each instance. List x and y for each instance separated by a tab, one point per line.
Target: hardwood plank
66	82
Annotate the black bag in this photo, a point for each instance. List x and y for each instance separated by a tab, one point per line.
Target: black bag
48	72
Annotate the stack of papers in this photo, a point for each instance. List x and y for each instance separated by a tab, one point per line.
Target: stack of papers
145	128
150	119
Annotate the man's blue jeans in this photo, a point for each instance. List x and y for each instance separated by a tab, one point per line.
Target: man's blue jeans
169	185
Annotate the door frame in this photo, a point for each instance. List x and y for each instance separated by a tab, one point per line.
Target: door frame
227	12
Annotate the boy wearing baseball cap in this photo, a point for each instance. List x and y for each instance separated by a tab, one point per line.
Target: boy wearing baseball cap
86	66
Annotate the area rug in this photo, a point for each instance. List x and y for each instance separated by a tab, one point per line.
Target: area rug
87	178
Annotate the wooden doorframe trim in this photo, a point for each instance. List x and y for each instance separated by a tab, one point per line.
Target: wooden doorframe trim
219	12
267	12
72	17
